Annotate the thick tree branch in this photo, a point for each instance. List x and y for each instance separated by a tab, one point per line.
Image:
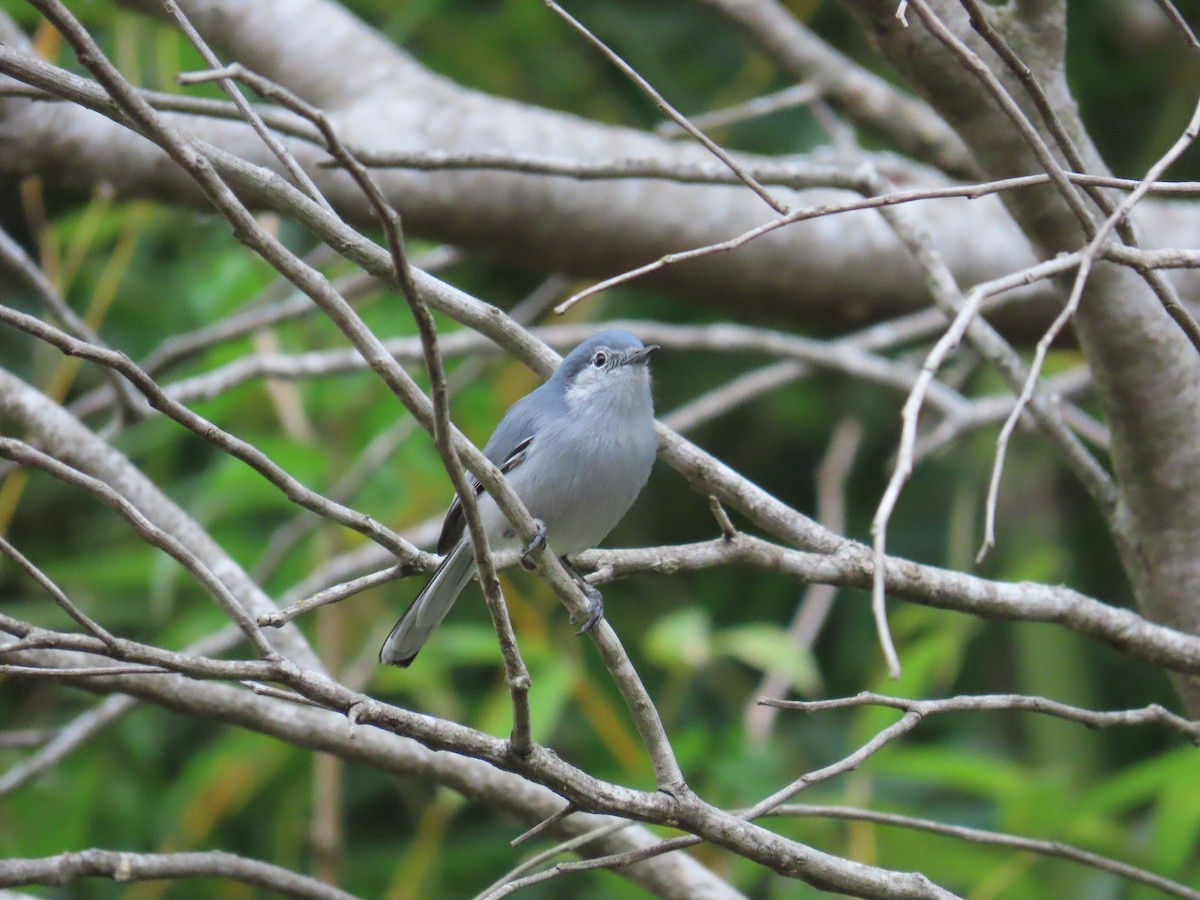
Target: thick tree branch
863	97
496	211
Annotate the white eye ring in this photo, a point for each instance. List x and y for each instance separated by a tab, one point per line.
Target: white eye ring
600	359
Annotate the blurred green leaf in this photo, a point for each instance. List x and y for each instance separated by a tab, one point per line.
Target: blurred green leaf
769	648
680	640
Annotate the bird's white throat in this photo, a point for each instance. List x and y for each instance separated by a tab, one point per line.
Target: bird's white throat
627	386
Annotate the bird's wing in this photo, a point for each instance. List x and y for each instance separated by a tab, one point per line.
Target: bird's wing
456	522
507	449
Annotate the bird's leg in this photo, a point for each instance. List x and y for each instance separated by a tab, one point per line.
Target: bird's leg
538	542
595	607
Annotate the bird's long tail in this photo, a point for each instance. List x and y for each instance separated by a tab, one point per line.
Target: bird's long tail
427	611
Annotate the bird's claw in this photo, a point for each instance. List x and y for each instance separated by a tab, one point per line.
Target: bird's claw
538	542
595	610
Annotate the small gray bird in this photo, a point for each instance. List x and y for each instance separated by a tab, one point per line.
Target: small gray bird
577	451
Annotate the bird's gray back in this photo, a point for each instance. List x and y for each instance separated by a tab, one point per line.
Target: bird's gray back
522	421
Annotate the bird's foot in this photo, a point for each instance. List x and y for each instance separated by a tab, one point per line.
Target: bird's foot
595	609
538	542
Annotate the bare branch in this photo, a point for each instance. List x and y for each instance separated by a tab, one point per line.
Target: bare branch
244	108
265	311
56	592
335	594
18	261
1055	849
1153	714
788	98
846	355
67	439
18	451
78	672
236	447
544	825
20	738
517	675
817	601
514	875
852	566
687	811
248	229
1180	23
861	95
123	866
728	532
84	726
1117	217
1087	258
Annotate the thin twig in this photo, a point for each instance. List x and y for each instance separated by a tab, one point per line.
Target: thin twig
947	296
22	738
1180	23
80	672
848	181
845	355
269	690
797	174
268	309
1146	715
548	822
244	108
728	532
18	451
60	597
334	594
788	98
236	447
614	861
667	109
83	727
1086	259
1055	849
533	862
994	409
17	260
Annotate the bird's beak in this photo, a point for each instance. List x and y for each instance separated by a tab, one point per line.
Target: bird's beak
640	357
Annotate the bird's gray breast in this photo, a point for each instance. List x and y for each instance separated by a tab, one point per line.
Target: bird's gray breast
580	479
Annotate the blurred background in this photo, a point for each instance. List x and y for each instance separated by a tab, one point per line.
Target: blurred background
141	273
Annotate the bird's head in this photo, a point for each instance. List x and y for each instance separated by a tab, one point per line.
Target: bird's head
609	367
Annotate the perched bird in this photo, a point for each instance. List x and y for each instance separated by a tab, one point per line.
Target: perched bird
577	451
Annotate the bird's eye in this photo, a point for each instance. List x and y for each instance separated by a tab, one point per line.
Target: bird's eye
600	359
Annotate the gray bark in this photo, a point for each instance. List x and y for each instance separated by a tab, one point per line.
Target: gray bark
828	274
1147	373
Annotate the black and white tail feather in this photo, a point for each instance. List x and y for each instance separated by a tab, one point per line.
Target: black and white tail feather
425	613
